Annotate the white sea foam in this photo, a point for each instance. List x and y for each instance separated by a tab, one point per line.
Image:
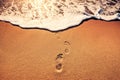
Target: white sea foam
57	15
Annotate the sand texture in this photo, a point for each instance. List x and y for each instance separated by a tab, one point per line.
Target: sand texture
90	52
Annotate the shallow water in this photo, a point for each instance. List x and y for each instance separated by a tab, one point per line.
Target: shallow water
54	15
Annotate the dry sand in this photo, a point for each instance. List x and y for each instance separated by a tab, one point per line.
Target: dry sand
29	54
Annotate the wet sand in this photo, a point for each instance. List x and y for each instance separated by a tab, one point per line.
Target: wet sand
92	52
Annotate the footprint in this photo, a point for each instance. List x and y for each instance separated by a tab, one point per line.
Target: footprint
59	61
59	67
66	43
67	51
59	58
57	36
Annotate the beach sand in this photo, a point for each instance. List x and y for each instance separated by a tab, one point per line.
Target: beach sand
91	52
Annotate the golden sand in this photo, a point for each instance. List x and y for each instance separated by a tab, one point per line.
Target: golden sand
91	52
